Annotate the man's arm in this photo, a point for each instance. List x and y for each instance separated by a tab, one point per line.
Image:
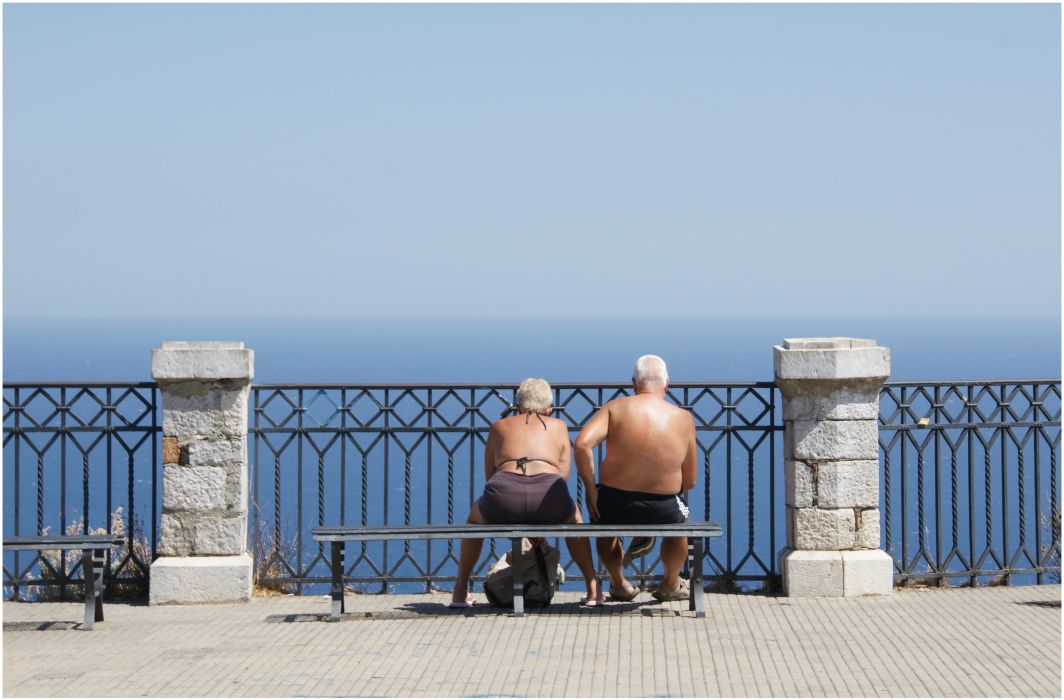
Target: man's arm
689	471
583	450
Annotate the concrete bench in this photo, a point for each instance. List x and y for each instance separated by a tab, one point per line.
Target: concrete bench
94	550
337	536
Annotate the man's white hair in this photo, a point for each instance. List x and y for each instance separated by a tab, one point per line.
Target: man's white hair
534	395
650	370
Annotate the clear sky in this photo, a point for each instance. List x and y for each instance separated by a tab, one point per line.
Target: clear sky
246	161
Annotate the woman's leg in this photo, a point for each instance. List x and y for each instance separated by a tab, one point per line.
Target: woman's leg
467	559
580	550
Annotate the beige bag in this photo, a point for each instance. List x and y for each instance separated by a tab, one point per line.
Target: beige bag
543	574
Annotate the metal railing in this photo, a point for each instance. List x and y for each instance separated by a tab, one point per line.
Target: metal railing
970	478
80	457
376	454
969	487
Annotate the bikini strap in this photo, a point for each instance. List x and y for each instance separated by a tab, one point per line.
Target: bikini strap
522	461
541	421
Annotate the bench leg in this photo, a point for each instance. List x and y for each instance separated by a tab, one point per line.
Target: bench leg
689	571
698	596
337	581
88	573
518	569
99	561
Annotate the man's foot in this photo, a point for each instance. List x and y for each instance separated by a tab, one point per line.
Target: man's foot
681	592
638	547
624	594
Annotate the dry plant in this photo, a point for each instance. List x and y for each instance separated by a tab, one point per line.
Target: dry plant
130	583
1051	525
270	554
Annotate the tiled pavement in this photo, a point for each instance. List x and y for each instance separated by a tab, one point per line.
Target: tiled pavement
961	642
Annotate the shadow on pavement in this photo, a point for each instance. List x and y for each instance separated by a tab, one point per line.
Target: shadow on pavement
40	626
410	611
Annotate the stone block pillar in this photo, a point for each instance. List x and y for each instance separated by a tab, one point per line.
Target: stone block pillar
203	530
830	390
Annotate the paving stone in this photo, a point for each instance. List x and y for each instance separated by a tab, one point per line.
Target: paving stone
1002	641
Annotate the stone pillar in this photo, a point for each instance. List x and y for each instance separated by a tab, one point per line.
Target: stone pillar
203	529
830	390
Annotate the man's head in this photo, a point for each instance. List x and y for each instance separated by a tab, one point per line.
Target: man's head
534	395
650	373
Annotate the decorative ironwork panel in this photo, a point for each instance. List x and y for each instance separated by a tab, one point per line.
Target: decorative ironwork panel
969	488
80	458
374	454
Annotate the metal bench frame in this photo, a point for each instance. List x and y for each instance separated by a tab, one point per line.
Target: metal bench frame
94	549
338	536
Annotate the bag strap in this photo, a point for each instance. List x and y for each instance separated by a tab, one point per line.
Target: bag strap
541	563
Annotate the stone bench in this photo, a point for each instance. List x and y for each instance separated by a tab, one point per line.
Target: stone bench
94	550
338	536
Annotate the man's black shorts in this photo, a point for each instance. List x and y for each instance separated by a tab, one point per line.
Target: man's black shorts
619	507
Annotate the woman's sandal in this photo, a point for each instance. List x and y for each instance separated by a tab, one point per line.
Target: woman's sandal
592	602
624	596
467	603
681	592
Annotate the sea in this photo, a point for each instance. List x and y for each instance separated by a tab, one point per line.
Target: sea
504	350
486	350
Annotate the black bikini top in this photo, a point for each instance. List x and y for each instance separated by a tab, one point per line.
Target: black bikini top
522	461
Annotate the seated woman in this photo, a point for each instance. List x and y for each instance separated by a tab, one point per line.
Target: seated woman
526	465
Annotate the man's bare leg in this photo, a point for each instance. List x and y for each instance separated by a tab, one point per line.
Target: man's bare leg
673	553
610	554
467	558
580	550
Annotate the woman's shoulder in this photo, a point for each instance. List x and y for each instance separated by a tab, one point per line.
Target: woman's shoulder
556	424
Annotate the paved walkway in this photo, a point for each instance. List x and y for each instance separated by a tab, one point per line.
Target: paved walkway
962	642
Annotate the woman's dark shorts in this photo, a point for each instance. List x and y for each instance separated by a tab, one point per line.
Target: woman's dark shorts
619	507
541	499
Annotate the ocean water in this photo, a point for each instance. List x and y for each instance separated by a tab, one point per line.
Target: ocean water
437	350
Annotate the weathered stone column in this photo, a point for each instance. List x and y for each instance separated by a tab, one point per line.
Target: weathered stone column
830	390
203	530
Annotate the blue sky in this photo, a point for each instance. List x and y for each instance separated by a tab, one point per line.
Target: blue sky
256	161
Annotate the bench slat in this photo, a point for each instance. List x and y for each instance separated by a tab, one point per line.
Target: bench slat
468	531
38	542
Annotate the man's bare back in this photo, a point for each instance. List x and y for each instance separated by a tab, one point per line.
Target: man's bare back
647	441
650	460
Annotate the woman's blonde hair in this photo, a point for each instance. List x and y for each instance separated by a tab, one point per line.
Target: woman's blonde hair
534	395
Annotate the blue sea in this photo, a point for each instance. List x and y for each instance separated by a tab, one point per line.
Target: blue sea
438	350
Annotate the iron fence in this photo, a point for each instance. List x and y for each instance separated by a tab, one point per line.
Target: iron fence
79	458
970	478
412	454
969	487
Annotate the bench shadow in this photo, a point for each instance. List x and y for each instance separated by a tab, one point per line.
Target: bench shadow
41	625
413	611
480	610
1041	603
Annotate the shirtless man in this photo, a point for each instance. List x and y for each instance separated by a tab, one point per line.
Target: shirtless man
650	460
526	466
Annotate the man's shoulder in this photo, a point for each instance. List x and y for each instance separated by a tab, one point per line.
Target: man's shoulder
681	413
620	401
